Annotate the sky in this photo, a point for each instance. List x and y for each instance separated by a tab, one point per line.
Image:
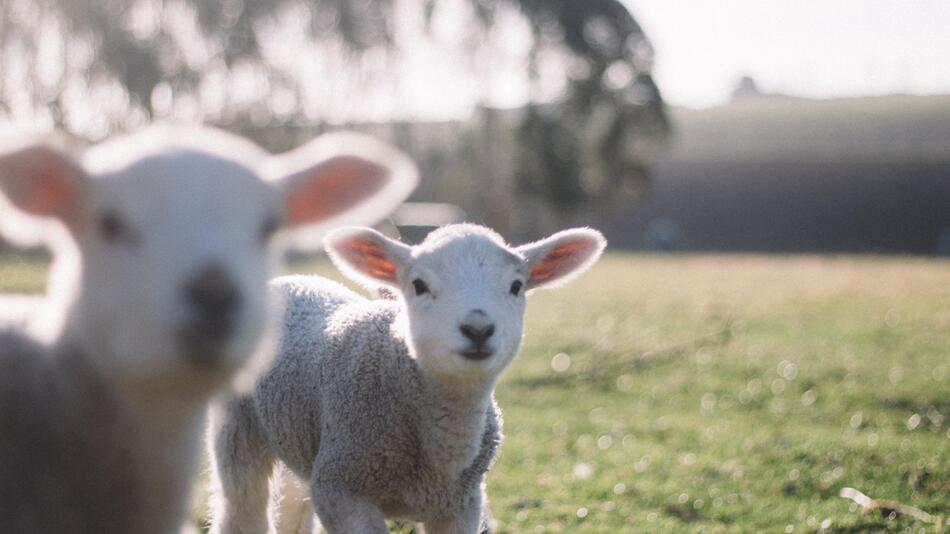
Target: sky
815	48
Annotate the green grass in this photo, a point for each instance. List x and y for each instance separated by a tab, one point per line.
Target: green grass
22	273
723	394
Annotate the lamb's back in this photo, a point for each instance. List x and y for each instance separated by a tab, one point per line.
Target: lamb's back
328	332
308	301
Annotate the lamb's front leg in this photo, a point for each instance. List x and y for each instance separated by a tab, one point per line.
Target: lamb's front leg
341	512
290	508
241	464
473	518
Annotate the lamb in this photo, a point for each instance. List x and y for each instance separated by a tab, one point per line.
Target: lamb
385	407
17	310
164	242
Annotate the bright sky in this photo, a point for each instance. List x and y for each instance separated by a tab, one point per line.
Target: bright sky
817	48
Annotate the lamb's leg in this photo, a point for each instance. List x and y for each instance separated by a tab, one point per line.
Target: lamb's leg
343	513
291	510
488	521
241	464
472	519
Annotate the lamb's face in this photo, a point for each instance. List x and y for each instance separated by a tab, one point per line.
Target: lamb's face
463	288
173	234
175	251
465	303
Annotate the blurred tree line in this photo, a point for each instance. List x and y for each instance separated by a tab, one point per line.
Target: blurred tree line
98	66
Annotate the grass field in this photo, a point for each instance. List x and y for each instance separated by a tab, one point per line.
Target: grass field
721	394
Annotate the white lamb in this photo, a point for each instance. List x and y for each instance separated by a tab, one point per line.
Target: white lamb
16	310
158	298
386	407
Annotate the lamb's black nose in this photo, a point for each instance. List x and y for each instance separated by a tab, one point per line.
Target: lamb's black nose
477	334
213	297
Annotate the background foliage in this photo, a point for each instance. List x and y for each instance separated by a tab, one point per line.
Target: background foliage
221	61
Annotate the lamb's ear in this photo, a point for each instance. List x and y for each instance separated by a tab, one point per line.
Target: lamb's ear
40	181
367	256
558	259
342	179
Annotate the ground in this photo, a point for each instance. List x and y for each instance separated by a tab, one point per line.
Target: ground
720	394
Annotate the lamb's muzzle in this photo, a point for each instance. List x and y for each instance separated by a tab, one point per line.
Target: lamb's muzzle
477	328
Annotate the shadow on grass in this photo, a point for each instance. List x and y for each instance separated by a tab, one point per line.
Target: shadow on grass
932	407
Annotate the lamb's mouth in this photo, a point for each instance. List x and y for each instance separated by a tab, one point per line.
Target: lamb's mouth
477	353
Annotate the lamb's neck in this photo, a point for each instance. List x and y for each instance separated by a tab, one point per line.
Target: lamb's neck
171	425
168	411
162	427
454	421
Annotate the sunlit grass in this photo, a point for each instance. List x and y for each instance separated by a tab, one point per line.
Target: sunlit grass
22	273
728	394
723	394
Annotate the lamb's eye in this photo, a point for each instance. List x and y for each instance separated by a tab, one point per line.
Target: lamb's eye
269	228
112	227
420	287
516	287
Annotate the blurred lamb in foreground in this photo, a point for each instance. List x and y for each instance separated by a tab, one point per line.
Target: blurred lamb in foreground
17	310
163	246
386	407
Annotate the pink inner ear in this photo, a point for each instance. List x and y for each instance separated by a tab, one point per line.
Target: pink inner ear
52	199
370	259
43	183
334	187
560	260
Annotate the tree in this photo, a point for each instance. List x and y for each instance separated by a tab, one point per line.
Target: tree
95	66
